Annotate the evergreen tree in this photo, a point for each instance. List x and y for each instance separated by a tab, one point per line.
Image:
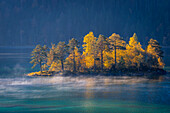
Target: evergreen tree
101	46
74	59
50	55
61	51
73	44
155	54
116	42
39	56
102	52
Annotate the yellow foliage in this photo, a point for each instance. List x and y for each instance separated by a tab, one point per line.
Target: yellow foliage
134	52
102	53
89	61
89	41
120	53
108	59
55	66
39	73
114	35
116	40
44	67
89	47
34	73
151	50
69	59
155	54
83	63
138	59
133	40
161	63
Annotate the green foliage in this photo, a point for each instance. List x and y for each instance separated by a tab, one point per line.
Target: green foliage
73	44
39	55
60	52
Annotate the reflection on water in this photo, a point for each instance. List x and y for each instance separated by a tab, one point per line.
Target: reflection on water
90	83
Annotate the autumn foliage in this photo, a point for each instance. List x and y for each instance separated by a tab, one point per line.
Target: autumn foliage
102	54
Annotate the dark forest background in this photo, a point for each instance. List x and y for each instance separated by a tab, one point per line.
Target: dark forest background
31	22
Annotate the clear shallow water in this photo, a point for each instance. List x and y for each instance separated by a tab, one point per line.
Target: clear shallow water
99	94
84	94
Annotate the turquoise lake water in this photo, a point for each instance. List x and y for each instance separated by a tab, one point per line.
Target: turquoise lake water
100	94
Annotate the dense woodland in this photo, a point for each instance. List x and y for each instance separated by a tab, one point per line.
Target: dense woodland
102	54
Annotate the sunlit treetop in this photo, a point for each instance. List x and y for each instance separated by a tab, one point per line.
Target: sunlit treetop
154	48
114	36
102	53
89	42
133	40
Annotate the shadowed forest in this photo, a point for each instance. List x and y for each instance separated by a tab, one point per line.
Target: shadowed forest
102	54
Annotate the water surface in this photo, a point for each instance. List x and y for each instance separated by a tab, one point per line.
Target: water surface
99	94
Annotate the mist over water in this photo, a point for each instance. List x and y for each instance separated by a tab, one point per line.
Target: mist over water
119	84
84	94
80	81
123	94
26	23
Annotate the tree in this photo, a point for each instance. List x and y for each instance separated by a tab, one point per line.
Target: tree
73	44
155	54
138	60
101	46
39	56
116	42
108	59
134	52
52	59
90	52
99	53
60	53
50	55
74	59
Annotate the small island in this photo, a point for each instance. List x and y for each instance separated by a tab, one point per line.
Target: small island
102	55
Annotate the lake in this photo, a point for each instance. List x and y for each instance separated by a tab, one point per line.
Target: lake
99	94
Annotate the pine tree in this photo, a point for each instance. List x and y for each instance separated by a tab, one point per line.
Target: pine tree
73	44
71	62
155	54
39	56
101	46
61	51
50	55
116	42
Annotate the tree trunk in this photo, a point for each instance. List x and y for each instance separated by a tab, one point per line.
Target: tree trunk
62	65
78	67
74	62
115	57
138	67
40	67
101	61
94	65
